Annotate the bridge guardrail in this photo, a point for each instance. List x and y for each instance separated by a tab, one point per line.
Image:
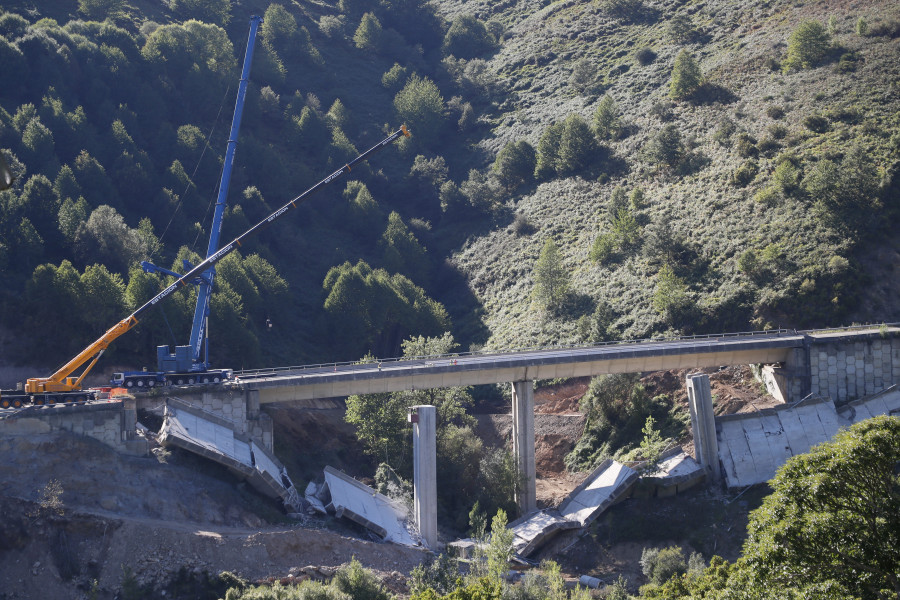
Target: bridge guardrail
771	333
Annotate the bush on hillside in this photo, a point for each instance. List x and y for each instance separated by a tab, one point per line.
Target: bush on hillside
551	278
645	56
667	148
577	146
584	76
681	29
101	9
623	9
420	105
660	564
208	11
808	45
515	164
467	38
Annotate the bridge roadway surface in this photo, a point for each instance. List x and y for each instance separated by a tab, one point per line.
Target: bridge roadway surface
331	381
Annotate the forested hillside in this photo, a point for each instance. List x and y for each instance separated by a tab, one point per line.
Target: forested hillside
578	171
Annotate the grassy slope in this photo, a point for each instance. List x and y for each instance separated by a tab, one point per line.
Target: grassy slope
723	220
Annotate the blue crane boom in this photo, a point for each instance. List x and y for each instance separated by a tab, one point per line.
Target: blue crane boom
194	358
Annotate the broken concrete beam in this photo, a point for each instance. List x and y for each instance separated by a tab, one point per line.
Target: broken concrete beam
608	483
355	499
374	527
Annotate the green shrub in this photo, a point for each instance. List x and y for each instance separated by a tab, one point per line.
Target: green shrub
816	123
659	565
768	146
667	148
394	78
515	164
359	583
584	75
724	131
862	27
808	45
775	112
369	36
848	62
623	9
420	105
603	248
577	146
438	574
787	177
551	278
662	110
681	29
467	37
767	196
746	173
645	56
778	131
746	145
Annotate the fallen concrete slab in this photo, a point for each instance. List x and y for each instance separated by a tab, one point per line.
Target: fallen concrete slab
376	512
675	473
532	531
753	445
213	437
608	483
885	402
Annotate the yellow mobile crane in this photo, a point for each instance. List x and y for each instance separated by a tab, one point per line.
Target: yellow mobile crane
62	386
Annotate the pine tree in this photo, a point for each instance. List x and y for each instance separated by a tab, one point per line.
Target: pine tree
686	76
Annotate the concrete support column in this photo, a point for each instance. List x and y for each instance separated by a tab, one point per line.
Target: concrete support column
703	424
424	420
523	443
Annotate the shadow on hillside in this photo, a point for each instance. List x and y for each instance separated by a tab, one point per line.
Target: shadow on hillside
712	93
465	310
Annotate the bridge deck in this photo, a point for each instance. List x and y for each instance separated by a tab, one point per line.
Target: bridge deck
344	380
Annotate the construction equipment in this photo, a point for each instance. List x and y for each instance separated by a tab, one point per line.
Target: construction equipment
187	365
62	386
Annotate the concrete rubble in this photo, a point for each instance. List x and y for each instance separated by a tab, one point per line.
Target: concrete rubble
675	473
753	445
607	484
213	437
344	496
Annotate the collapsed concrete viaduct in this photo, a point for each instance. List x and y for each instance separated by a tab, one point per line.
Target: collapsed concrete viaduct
841	364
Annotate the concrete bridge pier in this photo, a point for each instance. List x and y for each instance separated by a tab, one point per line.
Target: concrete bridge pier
523	443
424	420
703	424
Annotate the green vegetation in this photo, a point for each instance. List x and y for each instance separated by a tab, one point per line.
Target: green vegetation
686	76
482	476
807	46
618	411
828	530
551	279
117	131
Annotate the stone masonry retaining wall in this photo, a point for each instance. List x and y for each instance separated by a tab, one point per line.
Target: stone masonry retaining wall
844	370
111	423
